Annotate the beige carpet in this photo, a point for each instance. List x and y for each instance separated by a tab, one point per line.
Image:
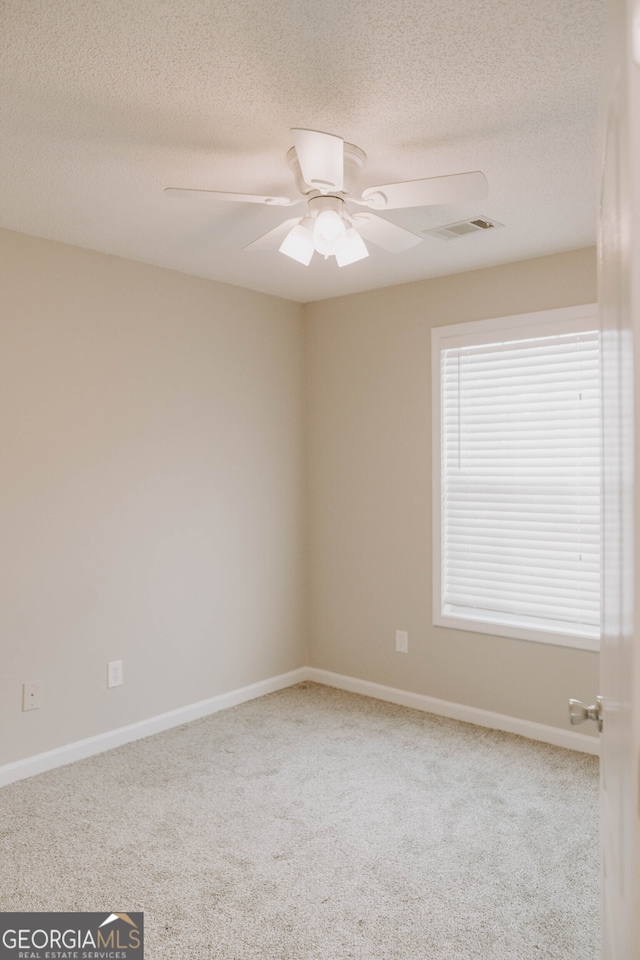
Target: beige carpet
314	824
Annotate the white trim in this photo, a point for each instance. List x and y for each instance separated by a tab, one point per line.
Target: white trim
476	624
570	739
102	742
521	325
81	749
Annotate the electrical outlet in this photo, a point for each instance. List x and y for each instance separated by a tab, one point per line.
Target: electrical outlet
31	695
402	641
114	673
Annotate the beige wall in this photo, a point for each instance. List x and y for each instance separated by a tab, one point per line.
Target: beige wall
150	505
369	420
153	496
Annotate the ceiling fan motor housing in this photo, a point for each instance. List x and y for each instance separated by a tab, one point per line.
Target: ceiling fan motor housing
318	204
354	160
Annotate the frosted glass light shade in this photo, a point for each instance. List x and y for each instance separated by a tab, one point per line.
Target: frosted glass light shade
354	249
329	232
298	244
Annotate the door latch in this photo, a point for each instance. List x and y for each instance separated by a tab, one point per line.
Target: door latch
578	712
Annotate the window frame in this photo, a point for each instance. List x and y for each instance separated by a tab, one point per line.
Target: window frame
519	326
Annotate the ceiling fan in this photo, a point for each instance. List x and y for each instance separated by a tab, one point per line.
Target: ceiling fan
325	169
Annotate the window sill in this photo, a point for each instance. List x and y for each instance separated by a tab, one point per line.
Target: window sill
517	631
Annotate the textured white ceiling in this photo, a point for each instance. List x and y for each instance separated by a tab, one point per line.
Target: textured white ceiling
103	103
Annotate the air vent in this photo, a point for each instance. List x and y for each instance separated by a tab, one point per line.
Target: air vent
453	231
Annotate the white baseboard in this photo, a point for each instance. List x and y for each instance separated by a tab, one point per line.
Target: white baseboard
570	739
82	749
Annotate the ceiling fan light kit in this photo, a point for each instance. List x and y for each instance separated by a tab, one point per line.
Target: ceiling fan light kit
325	169
326	229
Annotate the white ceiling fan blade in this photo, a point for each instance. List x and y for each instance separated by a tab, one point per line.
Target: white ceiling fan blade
272	239
321	158
387	235
456	188
239	197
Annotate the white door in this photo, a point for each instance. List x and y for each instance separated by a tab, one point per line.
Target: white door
619	294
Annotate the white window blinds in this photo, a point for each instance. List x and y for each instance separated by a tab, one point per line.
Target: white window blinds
520	481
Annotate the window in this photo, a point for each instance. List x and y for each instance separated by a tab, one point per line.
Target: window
517	476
